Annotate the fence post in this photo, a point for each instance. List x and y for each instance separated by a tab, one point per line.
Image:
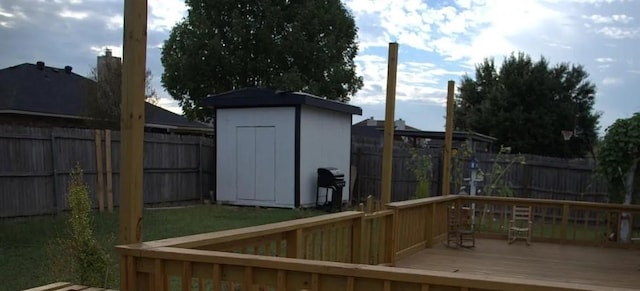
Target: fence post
395	225
357	241
100	182
565	221
56	194
389	228
107	149
130	278
526	181
295	246
200	188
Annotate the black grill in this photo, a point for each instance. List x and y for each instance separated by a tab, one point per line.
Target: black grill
330	178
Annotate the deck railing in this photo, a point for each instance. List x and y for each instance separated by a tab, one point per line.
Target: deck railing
347	250
566	222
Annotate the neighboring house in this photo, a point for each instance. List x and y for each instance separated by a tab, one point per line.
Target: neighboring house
38	95
379	124
372	131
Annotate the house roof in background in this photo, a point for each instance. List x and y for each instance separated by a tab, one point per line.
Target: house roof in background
457	135
379	124
26	89
263	97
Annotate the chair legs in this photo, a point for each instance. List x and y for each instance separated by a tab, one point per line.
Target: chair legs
467	239
516	234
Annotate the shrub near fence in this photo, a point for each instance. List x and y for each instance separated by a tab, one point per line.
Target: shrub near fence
539	177
36	163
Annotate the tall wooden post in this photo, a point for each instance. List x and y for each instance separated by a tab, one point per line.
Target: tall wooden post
448	141
389	124
107	159
134	57
99	174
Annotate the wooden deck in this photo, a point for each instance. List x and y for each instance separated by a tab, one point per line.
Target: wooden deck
65	286
540	261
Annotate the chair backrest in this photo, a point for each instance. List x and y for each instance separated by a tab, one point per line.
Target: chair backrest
521	213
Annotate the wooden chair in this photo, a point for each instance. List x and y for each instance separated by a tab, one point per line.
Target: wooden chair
465	228
459	228
453	237
520	224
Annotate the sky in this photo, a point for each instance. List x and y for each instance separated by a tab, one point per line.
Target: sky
438	41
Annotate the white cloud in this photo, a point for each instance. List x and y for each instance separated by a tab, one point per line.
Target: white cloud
5	14
416	81
469	31
611	81
79	15
593	2
619	32
601	19
169	104
115	22
8	18
605	60
116	50
559	45
163	14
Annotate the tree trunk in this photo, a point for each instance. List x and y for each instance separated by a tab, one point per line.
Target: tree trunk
625	229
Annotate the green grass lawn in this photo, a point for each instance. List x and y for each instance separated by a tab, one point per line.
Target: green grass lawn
23	242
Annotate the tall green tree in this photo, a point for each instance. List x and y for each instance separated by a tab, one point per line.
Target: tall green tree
223	45
618	159
526	104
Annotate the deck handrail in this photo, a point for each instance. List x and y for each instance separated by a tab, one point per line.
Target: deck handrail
422	201
518	200
148	267
199	240
380	238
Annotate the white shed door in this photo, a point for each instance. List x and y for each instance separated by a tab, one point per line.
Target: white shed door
256	158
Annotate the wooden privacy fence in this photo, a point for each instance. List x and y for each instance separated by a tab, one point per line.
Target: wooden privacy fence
337	252
36	163
539	177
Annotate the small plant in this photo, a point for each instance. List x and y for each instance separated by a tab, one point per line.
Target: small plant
77	255
422	167
499	185
460	157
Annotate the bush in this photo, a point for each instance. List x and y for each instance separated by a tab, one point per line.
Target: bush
76	255
422	167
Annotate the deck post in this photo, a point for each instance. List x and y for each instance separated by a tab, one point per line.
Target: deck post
295	244
565	222
429	223
395	230
448	141
132	135
132	120
389	124
357	241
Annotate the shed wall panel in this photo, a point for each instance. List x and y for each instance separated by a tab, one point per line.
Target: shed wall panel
325	141
274	132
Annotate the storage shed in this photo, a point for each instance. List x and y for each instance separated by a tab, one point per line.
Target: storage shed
270	144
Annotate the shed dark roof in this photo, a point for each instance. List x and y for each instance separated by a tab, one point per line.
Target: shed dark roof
28	90
263	97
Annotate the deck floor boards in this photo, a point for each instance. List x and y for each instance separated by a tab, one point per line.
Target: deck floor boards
543	261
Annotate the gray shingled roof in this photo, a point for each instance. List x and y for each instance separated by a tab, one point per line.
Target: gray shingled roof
25	88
